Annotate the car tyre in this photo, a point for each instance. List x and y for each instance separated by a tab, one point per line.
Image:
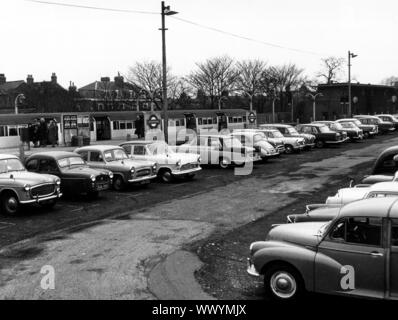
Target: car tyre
223	163
283	283
9	203
289	149
166	176
118	183
319	144
366	135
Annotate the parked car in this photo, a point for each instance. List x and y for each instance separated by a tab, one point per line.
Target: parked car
290	131
317	256
20	187
323	135
223	150
382	125
331	208
353	132
76	176
258	141
291	144
114	158
170	164
369	130
389	118
384	168
335	126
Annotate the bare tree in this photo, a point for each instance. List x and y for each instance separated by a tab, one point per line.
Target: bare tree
331	69
148	76
216	78
249	78
389	81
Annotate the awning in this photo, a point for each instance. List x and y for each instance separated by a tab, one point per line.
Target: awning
117	116
15	119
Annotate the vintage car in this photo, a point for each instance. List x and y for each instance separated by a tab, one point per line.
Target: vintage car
20	187
382	126
170	164
334	126
330	209
369	130
291	144
353	132
384	167
222	150
389	118
323	135
355	254
114	158
76	176
290	131
257	140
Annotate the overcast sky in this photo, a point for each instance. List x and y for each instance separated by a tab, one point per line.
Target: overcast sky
81	45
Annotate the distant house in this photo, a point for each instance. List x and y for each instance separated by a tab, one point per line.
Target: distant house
43	96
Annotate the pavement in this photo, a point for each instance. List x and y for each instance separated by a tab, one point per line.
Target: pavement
142	253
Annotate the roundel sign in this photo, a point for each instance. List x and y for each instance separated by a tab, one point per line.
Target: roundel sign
252	117
153	121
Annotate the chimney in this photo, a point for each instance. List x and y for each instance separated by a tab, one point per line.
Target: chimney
119	81
54	78
29	79
2	78
72	87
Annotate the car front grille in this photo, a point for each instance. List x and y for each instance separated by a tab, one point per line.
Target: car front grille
189	166
42	190
143	173
102	179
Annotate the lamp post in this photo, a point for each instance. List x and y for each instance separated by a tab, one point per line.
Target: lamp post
350	55
18	99
314	96
273	108
165	12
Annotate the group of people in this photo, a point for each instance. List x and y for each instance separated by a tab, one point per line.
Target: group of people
42	133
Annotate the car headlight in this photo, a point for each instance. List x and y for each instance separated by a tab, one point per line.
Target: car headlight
111	175
154	167
26	187
58	182
178	163
132	170
92	177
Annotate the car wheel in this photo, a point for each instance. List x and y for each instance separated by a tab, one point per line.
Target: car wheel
9	203
289	149
284	283
223	163
166	176
48	204
366	135
118	183
319	144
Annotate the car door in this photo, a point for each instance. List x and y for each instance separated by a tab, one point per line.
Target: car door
393	267
96	160
351	258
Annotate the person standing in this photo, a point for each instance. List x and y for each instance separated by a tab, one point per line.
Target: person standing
43	132
53	133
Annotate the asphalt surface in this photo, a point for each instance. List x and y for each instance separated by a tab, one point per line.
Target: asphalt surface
122	245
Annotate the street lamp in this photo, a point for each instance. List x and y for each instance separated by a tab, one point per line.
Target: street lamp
314	96
350	55
18	99
165	12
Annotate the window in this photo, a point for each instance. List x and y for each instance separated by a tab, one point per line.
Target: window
3	131
122	125
84	155
12	131
394	232
115	125
129	125
239	119
139	150
204	120
199	121
177	123
108	155
230	120
32	165
358	230
209	120
96	156
49	165
215	120
244	118
127	148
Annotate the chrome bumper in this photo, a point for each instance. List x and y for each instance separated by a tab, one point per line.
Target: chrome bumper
141	179
38	200
183	172
251	270
334	141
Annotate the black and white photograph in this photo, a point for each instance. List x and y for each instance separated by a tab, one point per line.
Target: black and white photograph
204	157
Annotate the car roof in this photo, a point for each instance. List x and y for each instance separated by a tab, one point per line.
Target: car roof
384	187
323	121
373	207
280	125
346	119
99	147
7	156
312	124
54	154
367	116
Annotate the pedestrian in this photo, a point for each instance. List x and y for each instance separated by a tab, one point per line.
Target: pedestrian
142	126
53	133
43	133
137	125
35	133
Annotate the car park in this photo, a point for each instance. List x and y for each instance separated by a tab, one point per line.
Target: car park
291	144
317	256
353	132
384	168
222	150
114	158
20	187
76	176
258	141
323	135
334	126
368	130
389	118
382	125
170	164
290	131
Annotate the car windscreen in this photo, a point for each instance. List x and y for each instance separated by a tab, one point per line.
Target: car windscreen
336	126
232	143
70	161
119	154
348	125
292	131
160	148
258	137
9	165
324	129
277	134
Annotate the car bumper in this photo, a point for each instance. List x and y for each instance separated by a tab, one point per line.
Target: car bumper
39	200
251	270
270	155
334	141
142	179
185	172
309	145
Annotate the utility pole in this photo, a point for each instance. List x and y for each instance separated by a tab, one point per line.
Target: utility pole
165	11
313	96
350	55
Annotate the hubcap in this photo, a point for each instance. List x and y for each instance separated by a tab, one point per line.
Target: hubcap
288	149
167	176
118	184
12	204
223	163
283	284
